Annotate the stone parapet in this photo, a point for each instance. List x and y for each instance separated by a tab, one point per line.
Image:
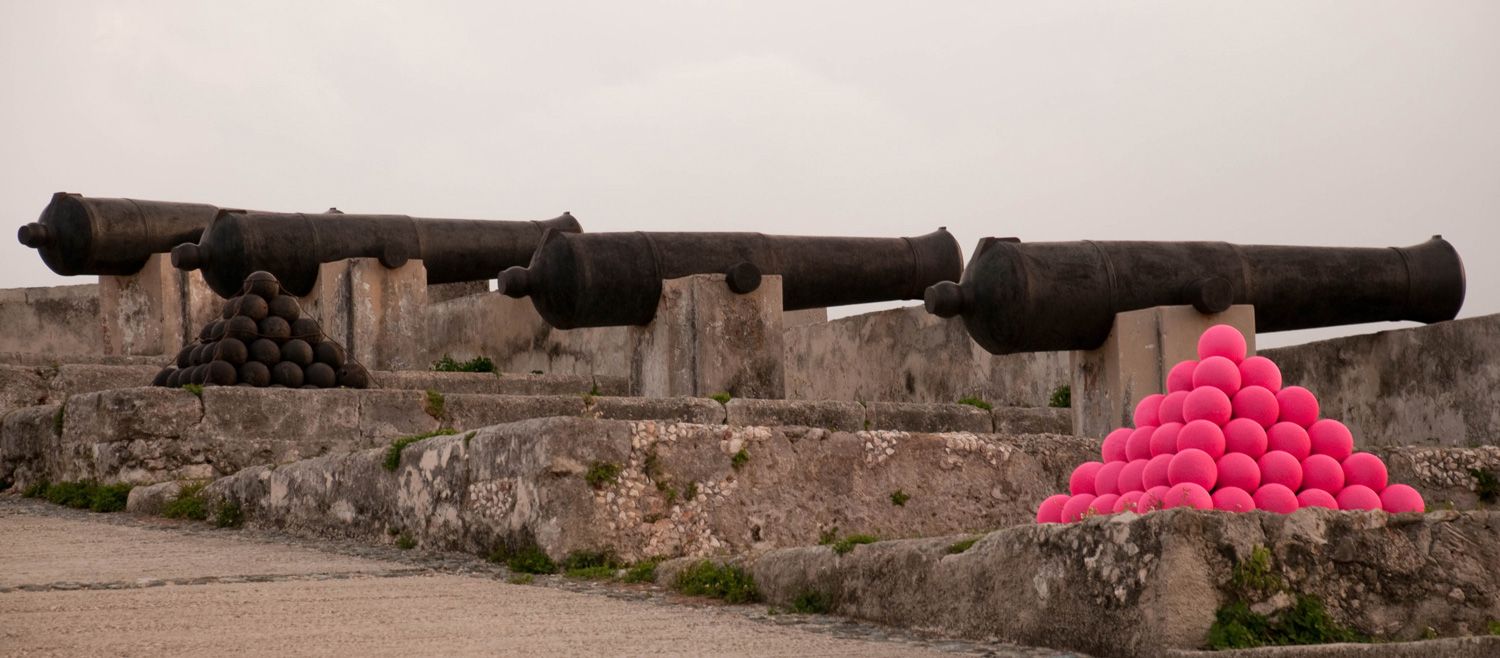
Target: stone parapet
60	321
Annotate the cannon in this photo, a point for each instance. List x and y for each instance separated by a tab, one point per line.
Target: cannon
291	246
1052	296
615	279
82	235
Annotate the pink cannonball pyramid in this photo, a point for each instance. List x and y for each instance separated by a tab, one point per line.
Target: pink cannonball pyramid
1322	472
1258	404
1187	494
1358	496
1180	377
1233	499
1193	466
1155	474
1152	499
1202	435
1262	372
1332	438
1138	446
1207	403
1074	509
1145	410
1106	481
1114	445
1275	498
1218	372
1365	469
1104	504
1246	437
1398	498
1164	439
1222	340
1239	471
1277	467
1317	498
1289	438
1171	408
1051	509
1298	405
1082	480
1131	477
1129	502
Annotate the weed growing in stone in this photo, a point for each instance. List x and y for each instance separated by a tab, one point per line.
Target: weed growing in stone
828	536
899	498
1062	398
405	541
187	504
88	495
691	492
520	579
467	437
721	398
538	372
57	418
229	515
1487	486
847	544
592	565
602	473
594	390
476	364
740	459
961	546
195	389
976	402
1236	626
733	584
531	560
435	404
642	572
1254	575
811	602
652	468
393	453
1494	627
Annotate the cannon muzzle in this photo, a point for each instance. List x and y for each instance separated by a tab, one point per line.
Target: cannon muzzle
83	235
615	279
291	246
1051	296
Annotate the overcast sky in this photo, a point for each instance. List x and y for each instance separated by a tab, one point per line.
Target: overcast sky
1316	123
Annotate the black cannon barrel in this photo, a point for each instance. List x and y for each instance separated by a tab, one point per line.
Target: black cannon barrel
1049	296
83	235
615	279
291	246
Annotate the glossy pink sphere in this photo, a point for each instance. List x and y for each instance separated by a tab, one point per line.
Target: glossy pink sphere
1298	405
1239	471
1138	446
1082	479
1202	435
1129	502
1164	439
1132	477
1171	408
1218	372
1398	498
1051	509
1146	409
1365	469
1257	404
1322	472
1358	496
1289	438
1114	445
1107	480
1260	371
1193	466
1104	504
1152	499
1180	377
1332	438
1317	498
1224	341
1187	494
1246	437
1076	507
1233	499
1155	474
1277	467
1208	403
1275	498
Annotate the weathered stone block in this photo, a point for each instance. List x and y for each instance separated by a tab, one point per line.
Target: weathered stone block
156	310
26	434
57	321
467	412
379	314
386	415
21	386
150	500
76	379
841	416
682	410
1038	420
502	383
706	340
918	417
510	332
329	418
106	433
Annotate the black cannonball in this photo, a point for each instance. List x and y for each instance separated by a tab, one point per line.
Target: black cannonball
262	283
255	373
185	355
275	328
203	334
253	307
297	351
161	377
242	329
285	307
175	379
231	307
222	373
265	351
231	350
216	329
330	353
287	374
203	353
197	374
307	329
353	375
320	375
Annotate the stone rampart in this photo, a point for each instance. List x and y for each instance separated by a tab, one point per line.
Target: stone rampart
55	320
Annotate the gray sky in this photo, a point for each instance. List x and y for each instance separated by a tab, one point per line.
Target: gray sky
1317	123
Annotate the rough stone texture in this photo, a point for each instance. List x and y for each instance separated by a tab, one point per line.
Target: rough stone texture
512	334
1029	420
840	416
915	417
61	320
907	355
21	386
682	410
503	383
1130	585
156	310
1134	361
40	359
524	482
132	435
25	436
1408	386
151	500
1455	647
706	340
804	316
76	379
469	412
1444	476
378	314
443	292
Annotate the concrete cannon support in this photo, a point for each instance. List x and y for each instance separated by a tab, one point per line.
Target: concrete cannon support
156	310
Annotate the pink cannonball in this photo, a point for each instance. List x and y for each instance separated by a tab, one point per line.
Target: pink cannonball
1398	498
1260	371
1193	466
1239	471
1275	498
1076	507
1332	438
1277	467
1164	439
1218	372
1208	403
1152	499
1138	446
1202	435
1365	469
1082	480
1224	341
1187	494
1146	409
1180	377
1298	405
1322	472
1233	499
1114	445
1289	438
1171	408
1317	498
1129	502
1131	477
1155	474
1358	496
1104	504
1107	480
1051	509
1257	404
1246	437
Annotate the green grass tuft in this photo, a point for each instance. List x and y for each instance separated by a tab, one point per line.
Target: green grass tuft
601	474
476	364
1494	627
739	459
642	572
520	579
405	541
1487	486
899	498
721	398
733	584
847	544
229	515
828	536
811	602
188	503
393	453
961	546
57	418
88	495
1062	398
195	389
531	560
976	402
435	406
691	492
1237	627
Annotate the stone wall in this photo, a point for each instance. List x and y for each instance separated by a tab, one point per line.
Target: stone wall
56	320
510	332
25	385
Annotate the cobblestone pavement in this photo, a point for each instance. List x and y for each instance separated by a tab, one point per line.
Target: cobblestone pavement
261	592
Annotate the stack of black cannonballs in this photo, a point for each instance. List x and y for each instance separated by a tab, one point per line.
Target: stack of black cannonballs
263	341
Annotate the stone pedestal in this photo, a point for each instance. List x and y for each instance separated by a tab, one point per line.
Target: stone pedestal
379	314
156	310
1134	361
707	340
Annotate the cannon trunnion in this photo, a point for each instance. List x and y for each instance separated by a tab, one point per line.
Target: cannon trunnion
110	237
1050	296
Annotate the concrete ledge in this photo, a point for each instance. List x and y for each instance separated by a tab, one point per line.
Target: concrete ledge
1456	647
1033	420
701	411
841	416
502	383
916	417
